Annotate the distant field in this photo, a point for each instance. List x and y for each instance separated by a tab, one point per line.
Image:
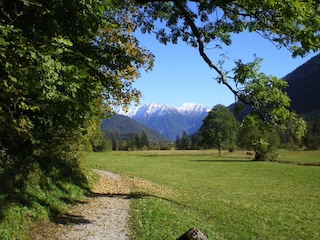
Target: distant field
227	197
302	157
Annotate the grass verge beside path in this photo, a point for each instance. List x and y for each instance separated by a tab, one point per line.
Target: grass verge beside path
226	198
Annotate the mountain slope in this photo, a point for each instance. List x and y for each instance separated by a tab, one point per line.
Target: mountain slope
170	121
303	89
304	86
122	126
194	115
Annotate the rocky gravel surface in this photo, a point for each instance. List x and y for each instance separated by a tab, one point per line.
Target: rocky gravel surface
104	216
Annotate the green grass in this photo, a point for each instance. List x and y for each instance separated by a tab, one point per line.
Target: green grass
300	157
226	197
42	200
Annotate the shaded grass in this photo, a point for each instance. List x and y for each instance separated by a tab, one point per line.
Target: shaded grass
227	198
43	199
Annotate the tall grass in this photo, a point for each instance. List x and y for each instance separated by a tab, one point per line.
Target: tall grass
227	198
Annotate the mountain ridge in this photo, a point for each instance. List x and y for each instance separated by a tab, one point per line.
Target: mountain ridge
121	127
167	120
304	86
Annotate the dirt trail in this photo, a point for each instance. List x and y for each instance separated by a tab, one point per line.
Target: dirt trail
104	216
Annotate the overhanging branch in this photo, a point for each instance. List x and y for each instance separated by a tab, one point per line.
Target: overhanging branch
197	34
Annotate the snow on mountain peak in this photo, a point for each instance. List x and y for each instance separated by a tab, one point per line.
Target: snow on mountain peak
168	120
148	110
187	108
160	109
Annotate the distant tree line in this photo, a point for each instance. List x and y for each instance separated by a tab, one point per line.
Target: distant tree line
219	130
222	131
134	142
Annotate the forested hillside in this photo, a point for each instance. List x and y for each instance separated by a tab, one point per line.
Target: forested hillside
121	127
304	87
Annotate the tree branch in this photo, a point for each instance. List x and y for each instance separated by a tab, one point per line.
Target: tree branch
197	34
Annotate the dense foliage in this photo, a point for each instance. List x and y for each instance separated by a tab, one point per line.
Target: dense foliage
264	143
219	128
60	62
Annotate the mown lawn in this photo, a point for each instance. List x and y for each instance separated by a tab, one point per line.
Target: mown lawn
227	197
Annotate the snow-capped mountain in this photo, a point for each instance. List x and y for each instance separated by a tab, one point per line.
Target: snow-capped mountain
167	120
192	108
194	114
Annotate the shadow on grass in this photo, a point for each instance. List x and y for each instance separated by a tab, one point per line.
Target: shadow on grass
313	164
71	219
307	164
224	161
134	195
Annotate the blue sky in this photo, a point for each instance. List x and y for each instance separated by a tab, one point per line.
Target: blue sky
180	74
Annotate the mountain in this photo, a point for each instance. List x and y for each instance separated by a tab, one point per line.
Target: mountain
122	126
303	90
304	87
167	120
194	115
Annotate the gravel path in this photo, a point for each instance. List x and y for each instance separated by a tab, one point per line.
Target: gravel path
105	216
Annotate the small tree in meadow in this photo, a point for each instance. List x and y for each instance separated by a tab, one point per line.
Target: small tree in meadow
263	141
219	128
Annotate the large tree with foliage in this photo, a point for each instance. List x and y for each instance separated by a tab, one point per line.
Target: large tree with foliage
290	24
219	128
60	62
264	142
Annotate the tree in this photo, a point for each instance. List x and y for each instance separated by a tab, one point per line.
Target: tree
62	64
133	142
264	142
115	146
219	128
194	142
291	24
144	141
312	139
185	141
99	143
178	143
182	143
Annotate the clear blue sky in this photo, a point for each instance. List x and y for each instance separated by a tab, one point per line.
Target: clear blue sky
180	74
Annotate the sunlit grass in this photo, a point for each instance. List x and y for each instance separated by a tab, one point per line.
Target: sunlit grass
228	197
300	156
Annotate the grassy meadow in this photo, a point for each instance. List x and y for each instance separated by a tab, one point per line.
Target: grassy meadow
228	197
